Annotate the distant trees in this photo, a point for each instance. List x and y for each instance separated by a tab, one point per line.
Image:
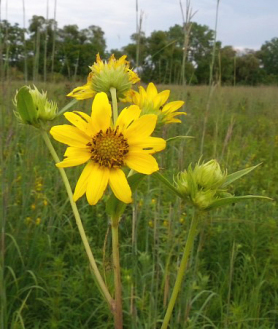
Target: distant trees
44	51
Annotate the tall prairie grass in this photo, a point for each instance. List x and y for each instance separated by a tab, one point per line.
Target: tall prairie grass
232	280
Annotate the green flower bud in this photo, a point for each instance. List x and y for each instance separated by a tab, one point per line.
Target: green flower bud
182	183
32	107
209	175
203	199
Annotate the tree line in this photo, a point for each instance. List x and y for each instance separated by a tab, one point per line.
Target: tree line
45	52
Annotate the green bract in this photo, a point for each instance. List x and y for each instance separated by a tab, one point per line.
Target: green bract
32	107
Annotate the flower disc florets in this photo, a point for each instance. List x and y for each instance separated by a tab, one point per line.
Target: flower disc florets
109	148
106	75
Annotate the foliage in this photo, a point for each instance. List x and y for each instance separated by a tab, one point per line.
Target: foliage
234	279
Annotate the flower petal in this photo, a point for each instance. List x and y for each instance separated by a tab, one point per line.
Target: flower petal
148	144
151	90
142	162
119	185
83	92
172	106
75	156
142	127
161	98
101	112
69	135
97	183
127	116
79	120
82	182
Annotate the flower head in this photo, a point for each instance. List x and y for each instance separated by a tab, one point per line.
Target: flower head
152	102
105	75
33	106
108	148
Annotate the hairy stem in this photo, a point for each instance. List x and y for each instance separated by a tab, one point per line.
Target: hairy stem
101	285
181	271
118	314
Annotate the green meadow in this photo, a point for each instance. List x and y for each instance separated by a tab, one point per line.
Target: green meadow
232	278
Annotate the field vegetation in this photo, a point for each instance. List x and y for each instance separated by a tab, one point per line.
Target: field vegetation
231	281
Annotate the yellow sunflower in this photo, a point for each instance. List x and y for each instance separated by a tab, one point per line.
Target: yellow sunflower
107	148
104	75
150	101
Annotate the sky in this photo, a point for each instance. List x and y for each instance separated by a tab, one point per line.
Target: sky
241	23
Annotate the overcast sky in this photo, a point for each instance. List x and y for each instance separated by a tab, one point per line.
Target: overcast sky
241	23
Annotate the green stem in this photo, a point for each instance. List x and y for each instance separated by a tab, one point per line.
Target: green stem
114	103
68	106
118	313
167	183
98	277
181	271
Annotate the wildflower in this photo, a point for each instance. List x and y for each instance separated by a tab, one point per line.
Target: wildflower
38	221
152	102
105	75
33	206
33	106
108	148
150	223
28	220
45	203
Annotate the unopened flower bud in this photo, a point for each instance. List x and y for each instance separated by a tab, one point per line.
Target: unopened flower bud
33	106
209	175
203	199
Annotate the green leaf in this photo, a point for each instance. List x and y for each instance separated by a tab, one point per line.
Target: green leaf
67	107
25	106
114	206
173	139
235	199
236	175
170	186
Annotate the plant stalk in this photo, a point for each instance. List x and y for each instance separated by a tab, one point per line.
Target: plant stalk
113	92
182	269
101	285
118	312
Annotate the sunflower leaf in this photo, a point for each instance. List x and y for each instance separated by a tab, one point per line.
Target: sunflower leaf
173	139
238	174
230	200
114	206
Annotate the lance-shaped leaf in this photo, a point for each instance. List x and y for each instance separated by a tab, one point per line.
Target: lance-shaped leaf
238	174
222	202
177	138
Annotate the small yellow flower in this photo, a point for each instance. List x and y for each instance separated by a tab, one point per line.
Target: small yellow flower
105	75
28	220
150	224
38	221
107	148
33	206
45	203
165	223
152	102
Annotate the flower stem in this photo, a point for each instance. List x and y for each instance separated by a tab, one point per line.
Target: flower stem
118	313
181	271
114	103
100	283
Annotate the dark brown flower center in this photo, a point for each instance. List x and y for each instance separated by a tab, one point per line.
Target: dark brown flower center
109	148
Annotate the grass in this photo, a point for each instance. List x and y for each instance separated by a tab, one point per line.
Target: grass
232	280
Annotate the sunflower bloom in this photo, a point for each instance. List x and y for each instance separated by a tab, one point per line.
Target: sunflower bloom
152	102
108	148
105	75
